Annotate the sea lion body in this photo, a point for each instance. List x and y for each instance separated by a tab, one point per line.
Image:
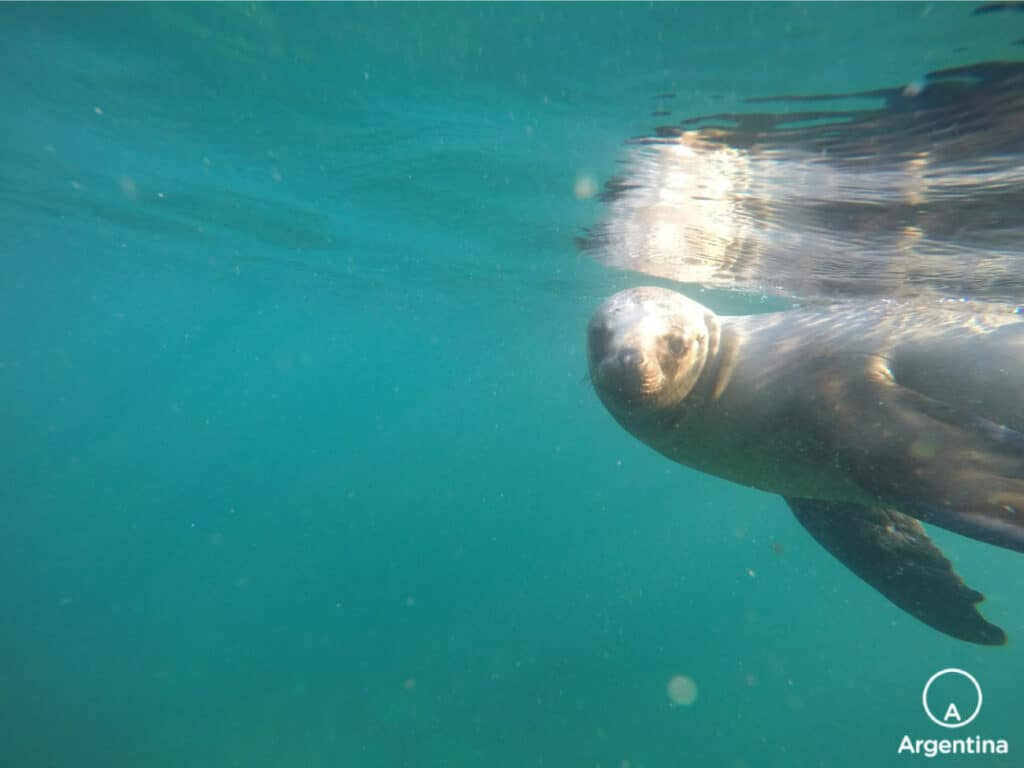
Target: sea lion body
758	415
878	409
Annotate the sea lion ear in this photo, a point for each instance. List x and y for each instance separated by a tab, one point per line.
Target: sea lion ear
893	553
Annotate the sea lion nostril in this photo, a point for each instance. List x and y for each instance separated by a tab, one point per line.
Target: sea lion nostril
629	357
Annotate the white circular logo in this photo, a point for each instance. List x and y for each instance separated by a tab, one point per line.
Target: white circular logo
959	723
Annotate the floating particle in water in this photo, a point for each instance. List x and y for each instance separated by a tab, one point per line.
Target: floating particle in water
409	683
584	188
128	187
681	690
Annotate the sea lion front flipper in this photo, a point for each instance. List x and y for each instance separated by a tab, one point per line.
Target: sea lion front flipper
892	552
926	457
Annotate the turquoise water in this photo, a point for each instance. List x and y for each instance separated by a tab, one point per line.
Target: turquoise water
300	468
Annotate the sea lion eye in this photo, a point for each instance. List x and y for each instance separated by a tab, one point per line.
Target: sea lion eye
676	345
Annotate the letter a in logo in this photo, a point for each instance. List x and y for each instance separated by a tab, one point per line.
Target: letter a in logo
952	719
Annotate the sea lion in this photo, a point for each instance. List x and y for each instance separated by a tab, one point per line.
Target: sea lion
863	417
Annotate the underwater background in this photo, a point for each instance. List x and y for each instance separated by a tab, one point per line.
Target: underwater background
300	466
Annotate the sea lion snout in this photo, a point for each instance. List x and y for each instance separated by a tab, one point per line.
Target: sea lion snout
646	348
628	374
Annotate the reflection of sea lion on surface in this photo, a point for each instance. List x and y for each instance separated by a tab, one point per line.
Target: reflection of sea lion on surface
919	197
863	419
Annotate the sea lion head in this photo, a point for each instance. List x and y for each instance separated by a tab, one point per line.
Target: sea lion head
647	348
